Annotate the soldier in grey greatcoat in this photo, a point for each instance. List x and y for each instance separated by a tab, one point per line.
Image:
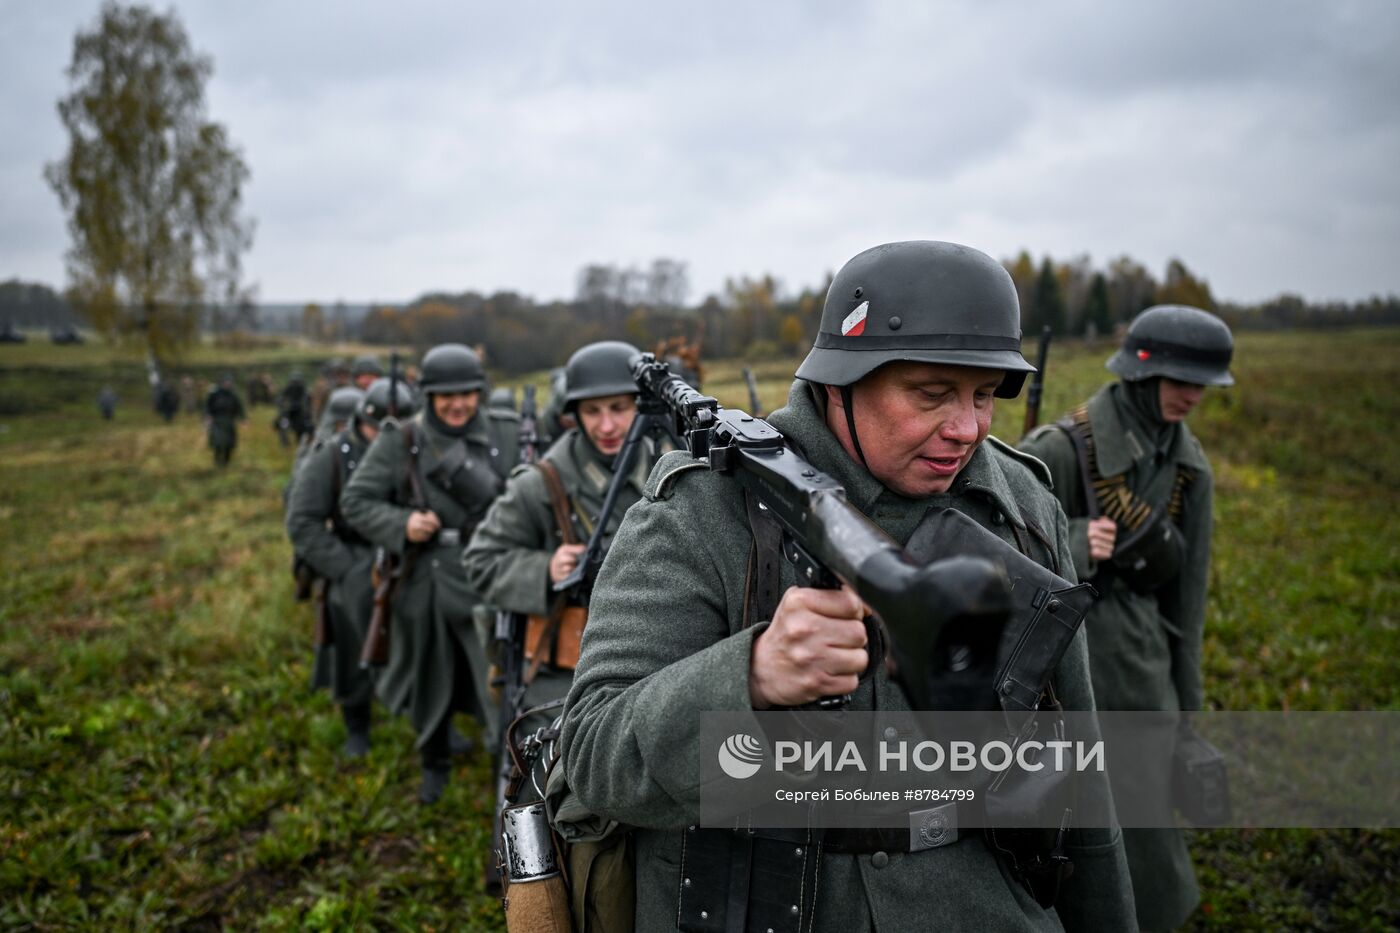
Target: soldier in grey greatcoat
520	551
341	556
223	409
420	492
1145	632
894	401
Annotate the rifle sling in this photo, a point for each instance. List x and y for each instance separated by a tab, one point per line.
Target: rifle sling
563	515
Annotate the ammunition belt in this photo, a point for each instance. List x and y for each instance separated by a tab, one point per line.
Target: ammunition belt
1111	493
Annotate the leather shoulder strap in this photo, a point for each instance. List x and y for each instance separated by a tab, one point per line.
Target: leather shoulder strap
763	582
558	500
415	482
1081	436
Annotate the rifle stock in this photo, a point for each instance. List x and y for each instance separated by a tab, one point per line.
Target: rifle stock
375	651
325	632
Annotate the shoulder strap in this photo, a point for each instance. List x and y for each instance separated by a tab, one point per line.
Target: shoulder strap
558	500
762	583
1081	436
415	482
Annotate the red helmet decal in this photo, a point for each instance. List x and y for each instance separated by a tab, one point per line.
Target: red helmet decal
1143	354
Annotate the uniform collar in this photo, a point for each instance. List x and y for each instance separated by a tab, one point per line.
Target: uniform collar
803	422
477	430
1120	445
596	472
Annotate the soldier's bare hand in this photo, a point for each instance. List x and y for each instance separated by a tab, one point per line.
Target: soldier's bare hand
814	647
422	526
564	561
1103	532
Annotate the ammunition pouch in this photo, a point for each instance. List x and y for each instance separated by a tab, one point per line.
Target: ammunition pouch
1020	798
555	639
467	480
1150	556
1200	784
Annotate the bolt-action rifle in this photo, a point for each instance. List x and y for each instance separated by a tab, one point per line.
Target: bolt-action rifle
1037	386
389	569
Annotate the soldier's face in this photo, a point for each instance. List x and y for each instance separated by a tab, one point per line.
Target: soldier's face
919	423
606	420
364	380
1177	399
455	409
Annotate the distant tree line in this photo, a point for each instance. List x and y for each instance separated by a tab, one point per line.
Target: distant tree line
29	304
753	317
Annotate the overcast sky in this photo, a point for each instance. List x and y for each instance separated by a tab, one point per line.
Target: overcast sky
400	148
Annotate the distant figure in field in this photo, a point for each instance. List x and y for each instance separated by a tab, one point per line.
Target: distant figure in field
167	401
293	411
223	409
1137	489
259	390
107	402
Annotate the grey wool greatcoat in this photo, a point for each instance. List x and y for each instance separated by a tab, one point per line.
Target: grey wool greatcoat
432	606
1145	649
321	537
508	560
224	410
666	641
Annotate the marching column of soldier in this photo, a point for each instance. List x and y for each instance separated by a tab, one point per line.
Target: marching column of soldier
917	340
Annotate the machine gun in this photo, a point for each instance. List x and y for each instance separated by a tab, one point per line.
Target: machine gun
827	540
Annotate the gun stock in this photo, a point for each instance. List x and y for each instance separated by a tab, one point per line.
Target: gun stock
325	631
375	651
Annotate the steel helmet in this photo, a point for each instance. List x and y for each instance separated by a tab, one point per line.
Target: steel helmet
598	370
375	404
367	365
924	301
1179	342
452	367
344	402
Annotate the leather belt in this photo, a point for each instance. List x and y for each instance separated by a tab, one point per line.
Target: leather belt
928	829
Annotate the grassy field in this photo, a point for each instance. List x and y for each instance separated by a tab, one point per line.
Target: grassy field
163	764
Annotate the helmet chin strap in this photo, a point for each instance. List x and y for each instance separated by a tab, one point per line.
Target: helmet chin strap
846	403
